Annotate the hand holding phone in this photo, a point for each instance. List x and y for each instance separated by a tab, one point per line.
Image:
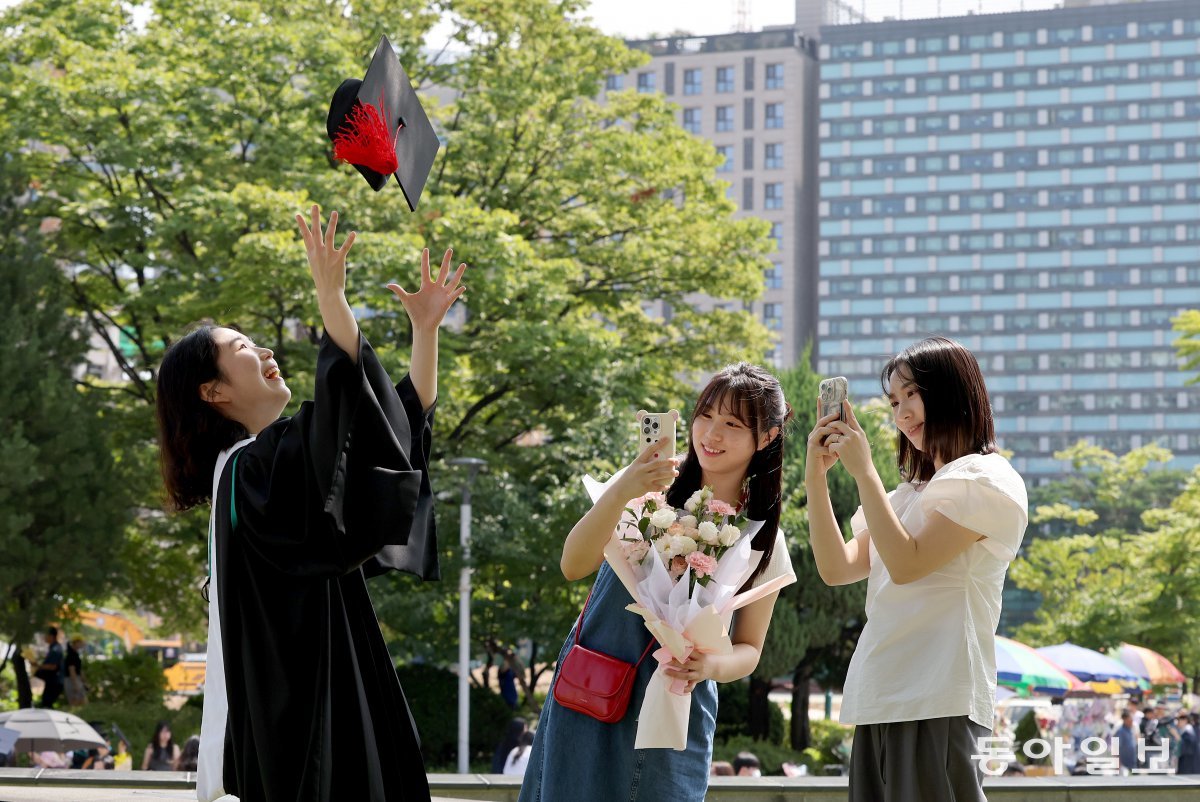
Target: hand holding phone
654	426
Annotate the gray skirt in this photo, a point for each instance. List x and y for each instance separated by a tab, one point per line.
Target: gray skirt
917	761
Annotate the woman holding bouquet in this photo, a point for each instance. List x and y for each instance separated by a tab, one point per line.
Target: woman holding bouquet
922	681
301	698
735	448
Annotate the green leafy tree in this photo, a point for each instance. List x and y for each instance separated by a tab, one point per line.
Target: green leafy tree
174	169
63	503
1188	344
1103	584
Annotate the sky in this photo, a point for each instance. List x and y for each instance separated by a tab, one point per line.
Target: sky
634	19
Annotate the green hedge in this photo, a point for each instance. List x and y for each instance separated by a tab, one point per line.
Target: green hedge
134	679
432	695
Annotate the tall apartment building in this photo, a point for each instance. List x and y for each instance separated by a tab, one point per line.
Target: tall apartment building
1028	183
754	96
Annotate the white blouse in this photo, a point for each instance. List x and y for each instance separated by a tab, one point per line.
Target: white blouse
928	648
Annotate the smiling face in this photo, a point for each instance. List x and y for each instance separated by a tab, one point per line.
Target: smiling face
251	389
908	408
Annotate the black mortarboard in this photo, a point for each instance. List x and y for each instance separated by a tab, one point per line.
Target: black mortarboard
377	124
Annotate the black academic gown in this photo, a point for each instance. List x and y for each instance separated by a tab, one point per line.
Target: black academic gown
316	711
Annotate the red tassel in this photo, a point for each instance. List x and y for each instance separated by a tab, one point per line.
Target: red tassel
363	140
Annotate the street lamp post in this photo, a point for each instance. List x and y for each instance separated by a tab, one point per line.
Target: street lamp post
473	466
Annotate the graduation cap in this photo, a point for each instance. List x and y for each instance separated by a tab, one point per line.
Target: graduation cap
377	124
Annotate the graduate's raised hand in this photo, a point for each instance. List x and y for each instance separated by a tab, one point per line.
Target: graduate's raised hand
427	307
326	262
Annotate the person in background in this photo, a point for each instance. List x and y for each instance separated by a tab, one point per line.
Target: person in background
1189	748
122	760
746	765
1127	750
722	768
73	664
512	738
518	758
162	752
187	757
50	670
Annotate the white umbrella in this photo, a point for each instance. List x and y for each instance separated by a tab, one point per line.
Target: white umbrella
50	730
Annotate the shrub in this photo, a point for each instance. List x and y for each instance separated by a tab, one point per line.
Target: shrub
828	744
134	679
432	695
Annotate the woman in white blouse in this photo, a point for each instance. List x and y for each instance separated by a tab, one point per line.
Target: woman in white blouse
922	681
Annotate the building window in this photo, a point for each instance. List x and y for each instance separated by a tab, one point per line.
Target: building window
724	118
978	41
773	156
727	152
1110	33
1020	39
773	278
843	89
846	50
614	83
890	207
932	85
777	235
929	204
774	115
932	44
1064	75
892	166
645	82
691	121
977	80
845	208
975	161
1110	114
976	120
773	316
892	47
889	86
724	79
933	123
1020	199
1156	69
1066	36
773	195
692	82
1108	72
774	76
1019	78
1066	116
847	129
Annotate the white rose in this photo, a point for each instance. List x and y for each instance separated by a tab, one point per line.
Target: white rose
662	518
682	545
729	535
688	522
708	532
662	544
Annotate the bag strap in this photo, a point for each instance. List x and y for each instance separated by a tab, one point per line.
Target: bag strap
579	627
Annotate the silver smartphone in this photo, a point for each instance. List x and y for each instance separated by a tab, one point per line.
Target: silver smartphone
653	426
831	394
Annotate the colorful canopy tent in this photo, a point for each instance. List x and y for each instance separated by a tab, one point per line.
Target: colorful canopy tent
1030	674
1103	674
1149	665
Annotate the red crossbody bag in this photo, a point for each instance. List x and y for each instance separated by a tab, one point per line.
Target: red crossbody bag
594	683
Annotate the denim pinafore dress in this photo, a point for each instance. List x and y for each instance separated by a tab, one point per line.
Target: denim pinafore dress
576	758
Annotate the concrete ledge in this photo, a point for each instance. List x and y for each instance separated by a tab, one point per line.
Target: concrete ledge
34	785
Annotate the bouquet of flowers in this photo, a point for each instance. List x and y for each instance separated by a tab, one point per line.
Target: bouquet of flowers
694	538
684	570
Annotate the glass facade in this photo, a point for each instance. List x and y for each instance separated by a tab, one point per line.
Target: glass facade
1028	184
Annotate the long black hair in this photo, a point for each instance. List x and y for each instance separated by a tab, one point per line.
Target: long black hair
191	433
958	414
162	752
753	396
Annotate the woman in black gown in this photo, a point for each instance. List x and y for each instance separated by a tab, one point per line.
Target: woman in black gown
302	701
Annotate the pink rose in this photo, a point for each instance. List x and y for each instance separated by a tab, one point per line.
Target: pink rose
677	567
718	507
702	564
658	498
